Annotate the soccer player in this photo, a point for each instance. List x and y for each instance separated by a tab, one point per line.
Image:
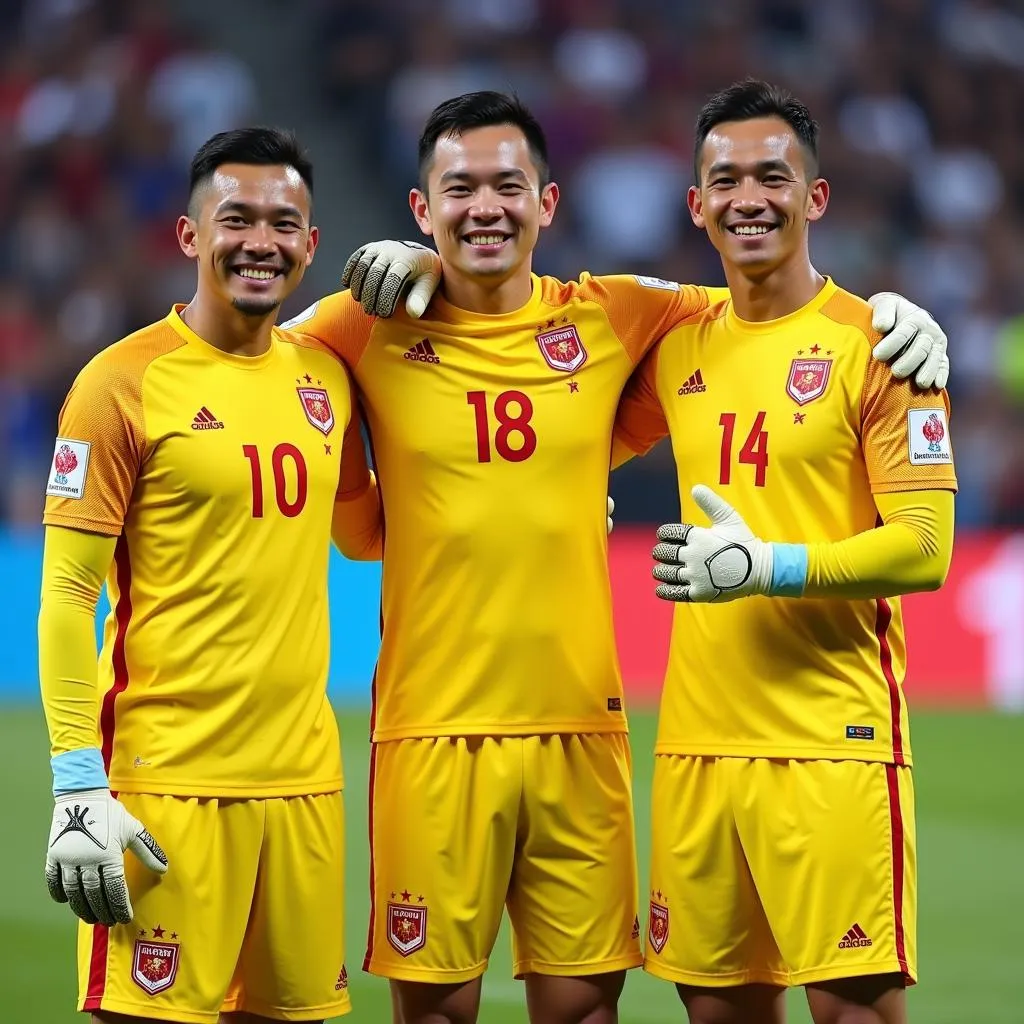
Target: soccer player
202	466
783	813
500	767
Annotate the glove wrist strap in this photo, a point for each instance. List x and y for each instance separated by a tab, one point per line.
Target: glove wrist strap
78	769
789	570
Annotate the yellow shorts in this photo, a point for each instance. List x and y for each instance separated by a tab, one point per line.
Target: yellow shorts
462	826
250	915
781	872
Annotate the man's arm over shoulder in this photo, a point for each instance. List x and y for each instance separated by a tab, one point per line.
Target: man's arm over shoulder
640	421
338	322
641	309
357	526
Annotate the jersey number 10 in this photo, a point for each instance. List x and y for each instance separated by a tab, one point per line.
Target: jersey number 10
289	507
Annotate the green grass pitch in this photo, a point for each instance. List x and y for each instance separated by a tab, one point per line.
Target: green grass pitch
970	793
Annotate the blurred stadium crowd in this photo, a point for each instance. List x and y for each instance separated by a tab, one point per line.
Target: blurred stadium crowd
921	104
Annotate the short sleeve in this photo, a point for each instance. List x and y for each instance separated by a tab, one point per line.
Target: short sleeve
99	449
338	322
905	434
640	422
642	309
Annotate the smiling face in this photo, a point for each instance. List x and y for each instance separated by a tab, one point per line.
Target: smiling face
249	230
755	198
484	204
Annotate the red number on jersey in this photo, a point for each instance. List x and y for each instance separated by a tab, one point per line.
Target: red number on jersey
289	508
753	453
508	424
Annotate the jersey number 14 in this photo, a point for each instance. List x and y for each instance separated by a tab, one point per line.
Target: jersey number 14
754	451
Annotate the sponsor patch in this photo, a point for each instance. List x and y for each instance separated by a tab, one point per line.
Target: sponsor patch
68	469
657	282
928	437
317	407
614	703
155	965
860	732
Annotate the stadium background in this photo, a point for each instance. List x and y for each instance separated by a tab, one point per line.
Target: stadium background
921	104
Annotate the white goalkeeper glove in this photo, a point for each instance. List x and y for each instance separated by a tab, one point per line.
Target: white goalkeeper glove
378	273
85	858
611	510
724	561
912	335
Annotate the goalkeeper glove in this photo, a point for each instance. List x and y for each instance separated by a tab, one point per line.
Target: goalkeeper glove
379	272
724	561
911	335
611	510
85	859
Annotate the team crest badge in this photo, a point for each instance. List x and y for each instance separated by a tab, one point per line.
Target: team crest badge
657	930
155	965
808	379
407	928
562	348
317	407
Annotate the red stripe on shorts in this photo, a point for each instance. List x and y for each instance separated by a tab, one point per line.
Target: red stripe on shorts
896	830
373	890
97	967
883	620
123	617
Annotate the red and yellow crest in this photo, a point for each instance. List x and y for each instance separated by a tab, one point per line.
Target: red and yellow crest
407	928
155	965
808	379
317	406
657	930
562	348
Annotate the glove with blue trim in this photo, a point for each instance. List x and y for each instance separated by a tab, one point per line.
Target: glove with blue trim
85	859
724	561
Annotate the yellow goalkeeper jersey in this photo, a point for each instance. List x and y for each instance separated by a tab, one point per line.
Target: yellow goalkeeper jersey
491	439
218	475
796	426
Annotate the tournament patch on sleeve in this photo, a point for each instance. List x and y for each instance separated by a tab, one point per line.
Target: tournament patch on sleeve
67	472
657	282
928	437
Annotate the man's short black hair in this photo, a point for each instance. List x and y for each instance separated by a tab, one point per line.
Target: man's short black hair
749	99
481	110
259	146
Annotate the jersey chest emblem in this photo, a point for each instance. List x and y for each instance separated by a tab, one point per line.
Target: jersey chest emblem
562	348
316	404
808	379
